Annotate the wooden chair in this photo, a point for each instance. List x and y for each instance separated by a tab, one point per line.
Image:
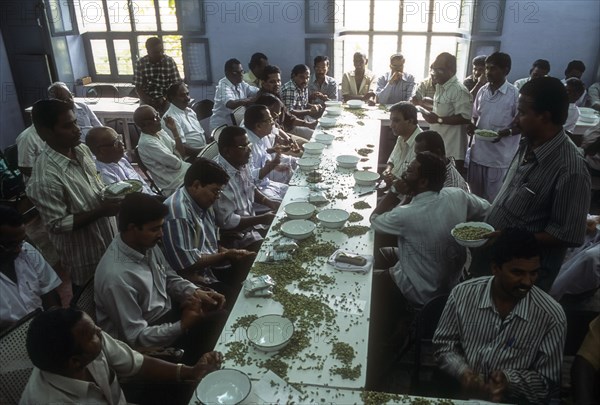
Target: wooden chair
15	365
102	91
210	151
237	116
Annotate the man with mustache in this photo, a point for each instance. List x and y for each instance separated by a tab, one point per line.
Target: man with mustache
86	119
502	337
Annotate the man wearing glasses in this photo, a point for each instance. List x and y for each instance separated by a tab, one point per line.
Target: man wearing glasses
107	146
231	93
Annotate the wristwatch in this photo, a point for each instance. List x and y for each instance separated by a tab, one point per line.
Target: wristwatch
440	120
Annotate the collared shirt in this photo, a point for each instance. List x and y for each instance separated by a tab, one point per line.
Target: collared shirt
403	152
162	160
133	291
425	89
86	119
258	159
349	83
29	147
470	82
294	97
120	171
430	262
549	191
236	201
520	82
329	88
495	111
594	95
189	232
188	126
572	117
452	98
526	346
225	92
454	178
402	90
579	273
155	78
115	359
60	188
35	278
251	79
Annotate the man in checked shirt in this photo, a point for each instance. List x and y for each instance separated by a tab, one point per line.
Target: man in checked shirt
502	337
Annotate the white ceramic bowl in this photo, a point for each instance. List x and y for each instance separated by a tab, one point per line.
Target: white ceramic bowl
333	218
366	178
308	164
347	161
473	242
298	228
327	122
313	148
299	210
355	103
270	333
333	111
325	139
226	386
333	103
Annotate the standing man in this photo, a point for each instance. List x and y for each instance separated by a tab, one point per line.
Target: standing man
65	188
153	74
232	92
395	85
358	84
547	187
501	337
294	94
257	64
495	109
321	87
477	77
86	119
452	108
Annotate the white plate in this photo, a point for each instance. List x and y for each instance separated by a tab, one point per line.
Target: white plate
270	333
308	164
333	217
347	161
299	210
485	138
355	104
471	243
313	148
298	228
226	386
366	178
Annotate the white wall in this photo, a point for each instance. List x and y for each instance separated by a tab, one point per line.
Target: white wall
11	120
556	30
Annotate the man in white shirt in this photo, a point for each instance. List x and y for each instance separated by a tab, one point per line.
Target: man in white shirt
29	147
27	281
188	126
540	68
232	92
86	119
107	146
575	89
575	69
395	85
161	154
594	96
76	362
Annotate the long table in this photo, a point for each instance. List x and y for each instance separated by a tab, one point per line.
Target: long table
344	297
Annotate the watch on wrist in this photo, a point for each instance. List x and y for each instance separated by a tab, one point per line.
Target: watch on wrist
440	120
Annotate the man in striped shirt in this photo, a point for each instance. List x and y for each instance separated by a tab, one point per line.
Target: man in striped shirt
501	337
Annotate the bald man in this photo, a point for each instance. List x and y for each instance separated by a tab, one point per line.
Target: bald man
86	119
107	146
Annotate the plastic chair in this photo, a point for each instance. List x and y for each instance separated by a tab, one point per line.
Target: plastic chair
138	160
217	132
15	365
103	91
84	300
211	151
237	116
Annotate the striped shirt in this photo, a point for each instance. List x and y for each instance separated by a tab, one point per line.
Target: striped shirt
224	93
402	90
547	190
526	346
189	232
294	97
454	178
60	188
155	78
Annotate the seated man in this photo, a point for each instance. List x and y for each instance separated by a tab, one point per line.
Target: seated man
500	336
190	232
431	141
575	69
27	281
425	264
321	87
594	96
107	146
539	68
232	92
575	89
279	137
259	125
135	288
358	84
235	208
396	85
257	63
159	152
294	94
271	84
29	147
188	126
86	119
76	362
477	77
